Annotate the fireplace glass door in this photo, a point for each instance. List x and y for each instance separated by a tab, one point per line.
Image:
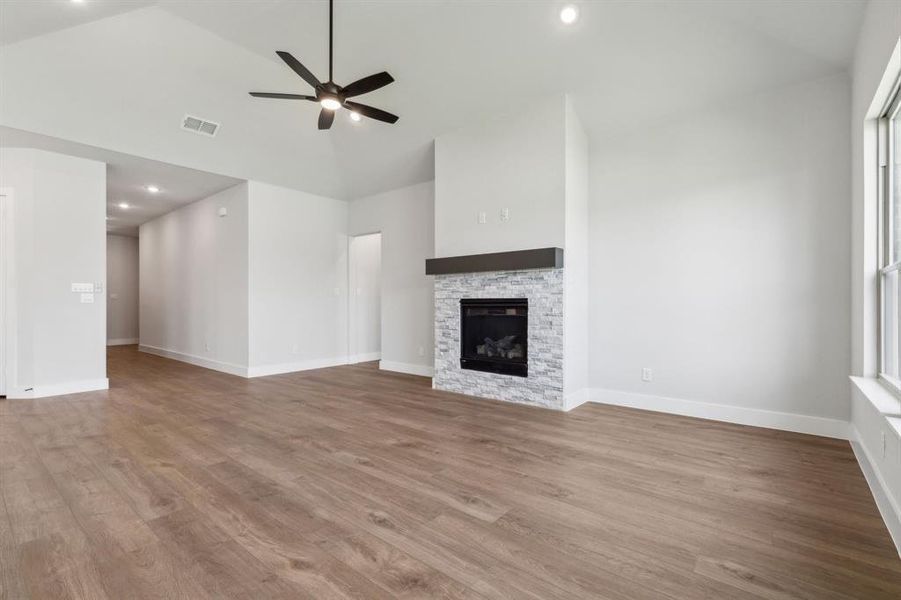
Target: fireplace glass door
494	335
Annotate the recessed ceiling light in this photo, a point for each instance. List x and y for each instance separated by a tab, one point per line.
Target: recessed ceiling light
77	1
355	116
569	14
330	103
123	205
152	189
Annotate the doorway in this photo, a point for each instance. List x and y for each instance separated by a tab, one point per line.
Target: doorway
122	302
365	298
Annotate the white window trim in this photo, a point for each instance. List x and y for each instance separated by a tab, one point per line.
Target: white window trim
892	109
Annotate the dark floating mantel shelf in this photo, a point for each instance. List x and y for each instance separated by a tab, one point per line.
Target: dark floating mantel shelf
537	258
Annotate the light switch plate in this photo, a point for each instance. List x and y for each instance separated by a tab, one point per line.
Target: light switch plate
87	298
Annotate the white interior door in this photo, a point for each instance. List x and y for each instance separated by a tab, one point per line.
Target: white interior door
365	306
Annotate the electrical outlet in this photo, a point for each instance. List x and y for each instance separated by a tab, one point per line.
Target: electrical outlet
421	351
505	214
483	217
206	346
647	374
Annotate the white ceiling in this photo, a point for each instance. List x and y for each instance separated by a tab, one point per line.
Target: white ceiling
125	81
127	178
23	19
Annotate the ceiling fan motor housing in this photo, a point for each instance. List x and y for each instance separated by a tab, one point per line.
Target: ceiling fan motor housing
330	89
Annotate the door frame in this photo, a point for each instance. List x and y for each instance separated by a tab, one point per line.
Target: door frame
353	356
7	294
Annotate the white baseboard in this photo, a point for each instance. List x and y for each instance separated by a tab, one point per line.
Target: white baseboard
122	342
249	372
576	399
60	389
888	507
833	428
358	358
408	368
293	367
199	361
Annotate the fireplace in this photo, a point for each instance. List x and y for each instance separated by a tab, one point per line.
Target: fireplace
494	335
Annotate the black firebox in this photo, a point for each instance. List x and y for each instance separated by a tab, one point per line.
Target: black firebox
494	335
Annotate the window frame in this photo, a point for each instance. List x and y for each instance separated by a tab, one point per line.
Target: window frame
891	112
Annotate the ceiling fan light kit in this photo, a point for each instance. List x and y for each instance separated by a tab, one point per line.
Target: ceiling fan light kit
330	95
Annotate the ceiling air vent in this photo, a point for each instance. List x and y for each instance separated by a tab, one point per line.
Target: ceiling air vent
198	125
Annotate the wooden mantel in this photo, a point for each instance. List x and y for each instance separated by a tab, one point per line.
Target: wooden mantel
517	260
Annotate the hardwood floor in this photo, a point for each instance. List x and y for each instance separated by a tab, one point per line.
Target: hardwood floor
182	482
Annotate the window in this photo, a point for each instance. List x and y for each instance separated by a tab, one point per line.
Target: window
890	243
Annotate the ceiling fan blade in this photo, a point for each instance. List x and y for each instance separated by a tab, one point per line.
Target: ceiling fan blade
372	113
368	84
282	96
326	117
299	68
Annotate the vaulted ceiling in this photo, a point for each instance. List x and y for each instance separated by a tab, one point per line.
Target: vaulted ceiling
122	75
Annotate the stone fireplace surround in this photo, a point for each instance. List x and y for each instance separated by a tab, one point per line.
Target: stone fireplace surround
544	289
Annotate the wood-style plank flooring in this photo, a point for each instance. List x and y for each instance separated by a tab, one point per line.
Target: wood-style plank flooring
182	482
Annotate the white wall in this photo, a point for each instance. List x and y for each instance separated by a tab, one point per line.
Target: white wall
121	290
260	291
877	63
874	414
194	283
406	219
365	297
59	206
576	301
720	255
514	161
266	286
298	280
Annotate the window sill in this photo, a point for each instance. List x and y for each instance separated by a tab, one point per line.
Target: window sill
882	400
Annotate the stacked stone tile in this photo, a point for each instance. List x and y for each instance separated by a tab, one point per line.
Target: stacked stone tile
544	289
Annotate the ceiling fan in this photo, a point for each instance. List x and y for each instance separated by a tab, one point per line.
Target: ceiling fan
330	95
